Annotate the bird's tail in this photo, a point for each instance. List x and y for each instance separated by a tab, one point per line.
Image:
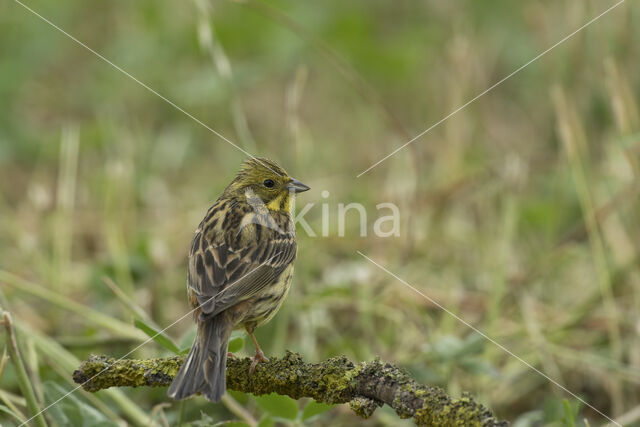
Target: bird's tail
203	370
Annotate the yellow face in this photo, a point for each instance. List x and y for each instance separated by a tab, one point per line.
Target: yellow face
268	181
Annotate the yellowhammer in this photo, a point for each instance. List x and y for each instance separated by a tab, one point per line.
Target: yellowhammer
240	268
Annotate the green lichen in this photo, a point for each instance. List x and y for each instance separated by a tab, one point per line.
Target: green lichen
99	372
364	406
365	386
464	411
329	382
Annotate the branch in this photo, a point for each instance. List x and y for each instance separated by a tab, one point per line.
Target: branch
365	386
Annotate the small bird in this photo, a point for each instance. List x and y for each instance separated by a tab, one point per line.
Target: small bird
239	273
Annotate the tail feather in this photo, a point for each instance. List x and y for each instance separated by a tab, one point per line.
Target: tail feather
204	368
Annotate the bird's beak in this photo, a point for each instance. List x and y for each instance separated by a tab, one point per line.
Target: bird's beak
296	186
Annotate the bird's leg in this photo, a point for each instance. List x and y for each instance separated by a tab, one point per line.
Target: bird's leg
259	357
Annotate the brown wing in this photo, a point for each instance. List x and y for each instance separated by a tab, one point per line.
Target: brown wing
225	269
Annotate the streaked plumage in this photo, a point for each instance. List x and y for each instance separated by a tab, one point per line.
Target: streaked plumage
240	268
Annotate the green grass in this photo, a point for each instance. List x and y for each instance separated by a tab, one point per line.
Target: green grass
520	214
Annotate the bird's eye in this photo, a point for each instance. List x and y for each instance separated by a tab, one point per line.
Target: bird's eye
268	183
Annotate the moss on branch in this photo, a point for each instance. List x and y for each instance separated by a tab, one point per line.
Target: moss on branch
365	386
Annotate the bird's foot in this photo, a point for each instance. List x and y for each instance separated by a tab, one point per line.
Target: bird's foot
258	358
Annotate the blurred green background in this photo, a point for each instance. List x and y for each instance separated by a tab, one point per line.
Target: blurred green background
520	214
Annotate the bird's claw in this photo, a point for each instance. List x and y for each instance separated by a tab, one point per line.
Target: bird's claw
258	358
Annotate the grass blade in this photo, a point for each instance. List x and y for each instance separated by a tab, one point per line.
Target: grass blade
67	362
21	373
157	336
99	319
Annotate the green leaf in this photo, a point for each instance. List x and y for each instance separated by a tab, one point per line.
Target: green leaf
186	341
242	398
278	406
479	366
204	421
266	421
236	344
157	336
71	410
449	347
314	408
10	412
474	344
228	424
569	418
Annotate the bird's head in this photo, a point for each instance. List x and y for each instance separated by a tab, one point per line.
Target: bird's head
268	181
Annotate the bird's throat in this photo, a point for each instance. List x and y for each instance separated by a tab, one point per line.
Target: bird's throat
282	203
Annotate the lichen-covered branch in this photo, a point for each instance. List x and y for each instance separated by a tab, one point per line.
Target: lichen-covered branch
365	386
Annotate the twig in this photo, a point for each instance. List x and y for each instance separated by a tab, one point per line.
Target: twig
365	386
